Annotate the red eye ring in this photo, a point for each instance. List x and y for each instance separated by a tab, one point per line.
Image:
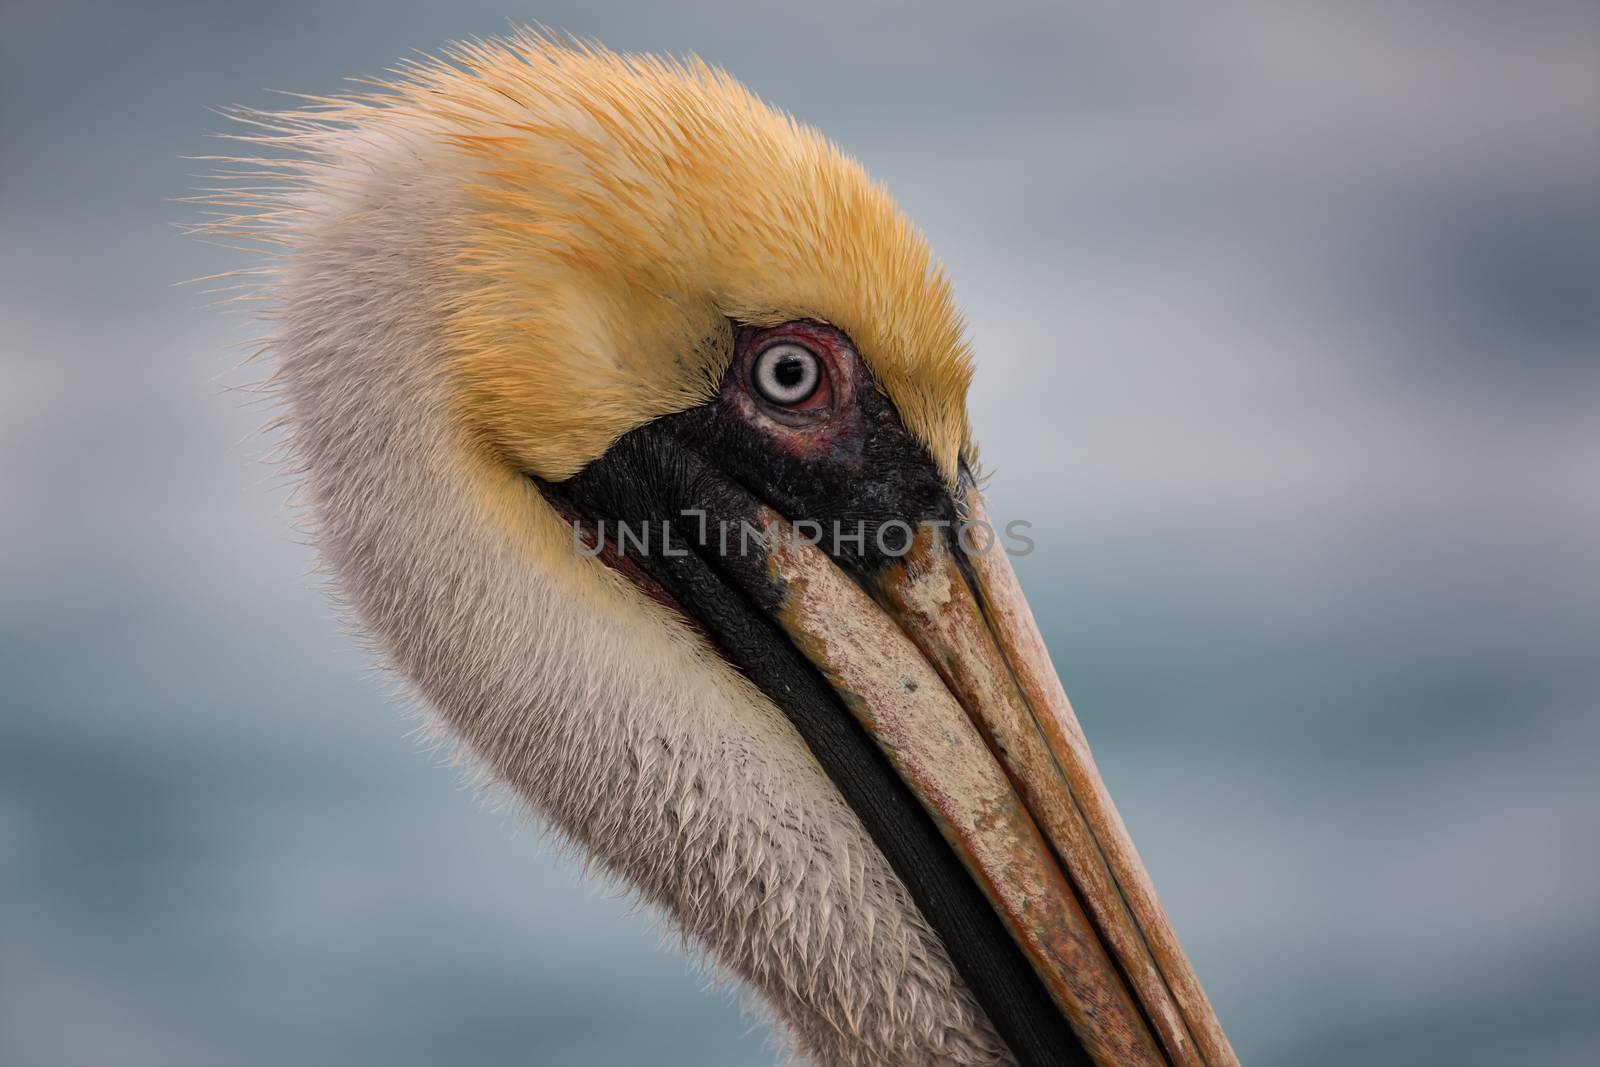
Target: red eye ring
794	373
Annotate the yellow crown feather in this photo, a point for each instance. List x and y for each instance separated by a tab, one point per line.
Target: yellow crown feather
621	210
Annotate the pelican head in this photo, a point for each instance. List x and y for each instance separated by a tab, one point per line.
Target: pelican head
632	422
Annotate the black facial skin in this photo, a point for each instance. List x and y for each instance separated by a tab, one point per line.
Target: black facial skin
861	466
850	461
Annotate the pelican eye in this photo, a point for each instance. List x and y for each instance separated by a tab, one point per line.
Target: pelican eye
787	373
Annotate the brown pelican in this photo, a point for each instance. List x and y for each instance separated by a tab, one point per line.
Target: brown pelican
631	420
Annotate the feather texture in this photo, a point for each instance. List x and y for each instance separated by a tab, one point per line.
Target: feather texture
496	265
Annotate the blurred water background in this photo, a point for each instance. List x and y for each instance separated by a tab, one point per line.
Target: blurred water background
1289	326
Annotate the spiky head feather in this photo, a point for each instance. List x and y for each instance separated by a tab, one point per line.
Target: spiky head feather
622	210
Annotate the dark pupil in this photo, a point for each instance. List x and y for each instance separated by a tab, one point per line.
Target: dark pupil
789	372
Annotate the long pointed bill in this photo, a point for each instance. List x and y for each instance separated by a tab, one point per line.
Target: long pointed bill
942	664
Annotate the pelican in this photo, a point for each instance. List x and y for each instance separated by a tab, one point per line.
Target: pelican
630	418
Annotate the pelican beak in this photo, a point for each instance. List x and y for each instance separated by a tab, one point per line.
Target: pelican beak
938	657
969	767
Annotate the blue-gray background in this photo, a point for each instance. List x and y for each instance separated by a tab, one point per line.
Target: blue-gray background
1289	325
